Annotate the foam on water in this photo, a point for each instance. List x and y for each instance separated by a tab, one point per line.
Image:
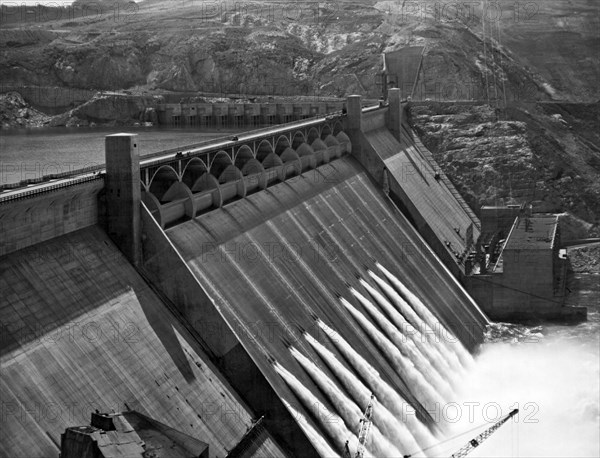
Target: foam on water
556	385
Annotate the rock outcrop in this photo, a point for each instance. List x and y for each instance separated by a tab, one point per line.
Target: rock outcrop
15	112
530	157
312	48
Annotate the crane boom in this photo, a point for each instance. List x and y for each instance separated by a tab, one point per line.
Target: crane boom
363	432
469	446
365	427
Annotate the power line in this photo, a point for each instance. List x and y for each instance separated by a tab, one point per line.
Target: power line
503	74
478	277
487	91
491	31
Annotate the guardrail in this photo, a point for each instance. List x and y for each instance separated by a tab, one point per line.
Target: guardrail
75	178
250	134
24	193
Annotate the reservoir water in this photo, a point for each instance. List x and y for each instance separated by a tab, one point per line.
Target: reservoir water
32	153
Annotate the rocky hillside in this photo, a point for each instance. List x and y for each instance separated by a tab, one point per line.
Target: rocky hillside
333	49
15	112
586	260
534	62
546	154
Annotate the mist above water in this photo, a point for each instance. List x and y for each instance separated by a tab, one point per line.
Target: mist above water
554	380
550	373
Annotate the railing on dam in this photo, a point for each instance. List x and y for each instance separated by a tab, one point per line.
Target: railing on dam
32	187
49	184
255	134
199	179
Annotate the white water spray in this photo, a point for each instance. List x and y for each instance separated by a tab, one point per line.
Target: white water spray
313	435
421	388
406	347
346	407
413	305
330	421
436	357
389	425
383	391
554	380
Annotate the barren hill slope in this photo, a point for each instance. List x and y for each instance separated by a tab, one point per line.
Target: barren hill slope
330	48
510	54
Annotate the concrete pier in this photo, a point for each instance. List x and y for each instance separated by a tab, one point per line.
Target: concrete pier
394	120
123	194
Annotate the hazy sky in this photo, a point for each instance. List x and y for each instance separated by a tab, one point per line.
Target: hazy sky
34	2
40	2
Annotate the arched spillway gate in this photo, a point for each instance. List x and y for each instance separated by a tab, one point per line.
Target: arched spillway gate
189	183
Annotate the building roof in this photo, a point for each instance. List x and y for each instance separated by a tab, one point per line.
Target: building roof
501	207
136	434
532	233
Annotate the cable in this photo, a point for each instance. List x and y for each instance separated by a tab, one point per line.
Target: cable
447	440
503	75
487	91
491	27
548	299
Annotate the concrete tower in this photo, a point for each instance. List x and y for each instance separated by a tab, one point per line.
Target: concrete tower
123	194
394	118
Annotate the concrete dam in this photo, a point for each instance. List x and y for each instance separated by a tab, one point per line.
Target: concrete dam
250	294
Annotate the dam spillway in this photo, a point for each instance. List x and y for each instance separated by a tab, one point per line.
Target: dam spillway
286	254
241	305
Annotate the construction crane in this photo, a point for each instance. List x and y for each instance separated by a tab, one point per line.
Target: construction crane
363	433
365	427
466	449
477	440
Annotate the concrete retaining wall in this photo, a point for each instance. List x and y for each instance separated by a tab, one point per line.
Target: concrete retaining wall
81	330
428	203
524	290
239	115
25	222
171	275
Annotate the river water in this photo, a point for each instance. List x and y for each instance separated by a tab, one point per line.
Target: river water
32	153
551	373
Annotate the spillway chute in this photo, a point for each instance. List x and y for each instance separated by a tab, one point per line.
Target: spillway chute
392	427
406	346
386	394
